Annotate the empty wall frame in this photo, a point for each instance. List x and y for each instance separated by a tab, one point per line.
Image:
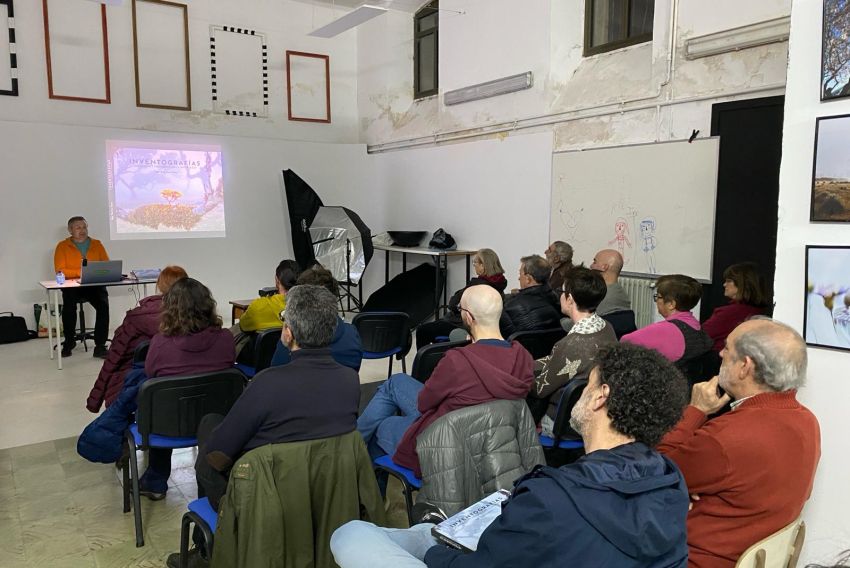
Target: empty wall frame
239	71
77	50
8	52
308	86
161	54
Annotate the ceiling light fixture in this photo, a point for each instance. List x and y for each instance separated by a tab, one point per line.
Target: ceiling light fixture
350	20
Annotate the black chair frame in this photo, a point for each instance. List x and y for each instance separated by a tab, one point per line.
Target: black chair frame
174	407
140	353
622	322
406	488
189	517
539	343
264	347
384	331
429	356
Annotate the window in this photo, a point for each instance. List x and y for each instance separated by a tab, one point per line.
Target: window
425	46
612	24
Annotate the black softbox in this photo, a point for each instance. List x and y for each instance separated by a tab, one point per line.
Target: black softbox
303	204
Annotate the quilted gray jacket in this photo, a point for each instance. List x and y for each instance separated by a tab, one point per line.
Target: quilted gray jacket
469	453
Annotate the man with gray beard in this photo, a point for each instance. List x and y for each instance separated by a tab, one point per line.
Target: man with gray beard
623	504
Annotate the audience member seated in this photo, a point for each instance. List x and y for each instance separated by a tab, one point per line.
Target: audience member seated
622	505
744	287
575	355
489	271
190	341
559	255
534	306
488	369
140	324
264	312
610	262
750	470
69	257
679	337
346	348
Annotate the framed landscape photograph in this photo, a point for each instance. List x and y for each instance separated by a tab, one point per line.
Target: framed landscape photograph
835	57
826	316
831	176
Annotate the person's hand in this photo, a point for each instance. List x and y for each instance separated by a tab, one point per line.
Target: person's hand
704	397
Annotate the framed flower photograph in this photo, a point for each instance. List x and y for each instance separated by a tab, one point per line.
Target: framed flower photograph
831	172
835	55
826	316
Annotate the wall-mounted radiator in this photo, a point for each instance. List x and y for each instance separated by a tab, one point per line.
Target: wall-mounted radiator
640	291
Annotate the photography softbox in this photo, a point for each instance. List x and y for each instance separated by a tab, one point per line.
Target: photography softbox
342	243
303	204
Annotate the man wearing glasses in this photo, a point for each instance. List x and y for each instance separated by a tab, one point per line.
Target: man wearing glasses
488	369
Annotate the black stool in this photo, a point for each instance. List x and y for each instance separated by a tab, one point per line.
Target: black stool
83	334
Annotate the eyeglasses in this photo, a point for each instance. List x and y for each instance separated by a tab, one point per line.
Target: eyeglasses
281	314
461	308
657	297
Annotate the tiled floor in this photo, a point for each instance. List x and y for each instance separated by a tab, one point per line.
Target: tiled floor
58	510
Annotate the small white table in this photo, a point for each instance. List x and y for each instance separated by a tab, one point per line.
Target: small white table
51	286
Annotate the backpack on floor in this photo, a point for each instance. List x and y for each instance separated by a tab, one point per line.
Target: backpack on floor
14	328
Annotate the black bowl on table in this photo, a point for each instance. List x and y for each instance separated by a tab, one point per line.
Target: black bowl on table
407	238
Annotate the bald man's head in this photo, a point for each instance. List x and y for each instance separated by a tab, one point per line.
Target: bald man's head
484	304
608	261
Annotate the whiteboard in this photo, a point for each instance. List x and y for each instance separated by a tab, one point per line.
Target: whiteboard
652	202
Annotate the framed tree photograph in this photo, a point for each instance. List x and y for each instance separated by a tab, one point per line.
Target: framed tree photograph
8	51
76	46
161	54
826	315
831	175
239	71
308	86
835	57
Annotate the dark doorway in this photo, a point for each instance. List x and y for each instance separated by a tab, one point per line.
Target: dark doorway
747	189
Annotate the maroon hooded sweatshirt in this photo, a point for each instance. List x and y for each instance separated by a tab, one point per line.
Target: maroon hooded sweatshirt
208	350
140	324
467	376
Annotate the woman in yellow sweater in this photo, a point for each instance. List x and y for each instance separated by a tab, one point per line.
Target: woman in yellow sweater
264	313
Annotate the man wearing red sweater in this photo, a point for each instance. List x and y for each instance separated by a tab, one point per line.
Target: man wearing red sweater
488	369
749	471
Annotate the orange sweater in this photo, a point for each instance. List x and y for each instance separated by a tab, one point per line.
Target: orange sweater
68	259
753	470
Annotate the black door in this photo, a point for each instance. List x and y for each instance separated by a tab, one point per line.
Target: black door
747	189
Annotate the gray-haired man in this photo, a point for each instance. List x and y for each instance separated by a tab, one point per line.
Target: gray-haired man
750	470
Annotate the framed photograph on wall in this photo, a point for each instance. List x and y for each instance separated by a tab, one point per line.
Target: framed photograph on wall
161	54
835	55
8	51
308	86
76	47
831	172
239	71
826	316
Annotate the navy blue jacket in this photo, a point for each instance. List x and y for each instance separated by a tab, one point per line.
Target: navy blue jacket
346	348
102	440
624	507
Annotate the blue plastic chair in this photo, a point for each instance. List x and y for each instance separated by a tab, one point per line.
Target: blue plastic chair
264	345
205	518
168	414
565	437
408	479
384	334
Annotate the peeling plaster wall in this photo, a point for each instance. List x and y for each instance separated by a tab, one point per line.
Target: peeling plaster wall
828	390
285	24
507	36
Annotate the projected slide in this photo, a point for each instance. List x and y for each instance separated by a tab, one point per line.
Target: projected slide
164	191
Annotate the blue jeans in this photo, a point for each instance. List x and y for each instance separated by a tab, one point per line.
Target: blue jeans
358	544
380	425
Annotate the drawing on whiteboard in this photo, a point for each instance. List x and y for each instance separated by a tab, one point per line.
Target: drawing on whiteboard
621	236
650	243
570	219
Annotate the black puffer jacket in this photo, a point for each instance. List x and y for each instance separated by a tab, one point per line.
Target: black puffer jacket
530	309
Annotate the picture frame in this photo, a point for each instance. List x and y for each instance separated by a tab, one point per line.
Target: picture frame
830	201
82	45
160	30
835	51
239	72
10	46
826	309
308	87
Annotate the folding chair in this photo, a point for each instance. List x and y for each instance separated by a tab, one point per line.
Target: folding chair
169	411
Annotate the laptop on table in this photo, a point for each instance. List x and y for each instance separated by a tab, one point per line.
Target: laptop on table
101	272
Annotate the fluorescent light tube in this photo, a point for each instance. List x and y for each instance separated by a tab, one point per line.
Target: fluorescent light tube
489	89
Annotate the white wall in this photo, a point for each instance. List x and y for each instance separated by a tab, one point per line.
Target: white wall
826	514
50	172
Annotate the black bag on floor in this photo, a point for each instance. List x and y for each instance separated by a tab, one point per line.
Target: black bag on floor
14	328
